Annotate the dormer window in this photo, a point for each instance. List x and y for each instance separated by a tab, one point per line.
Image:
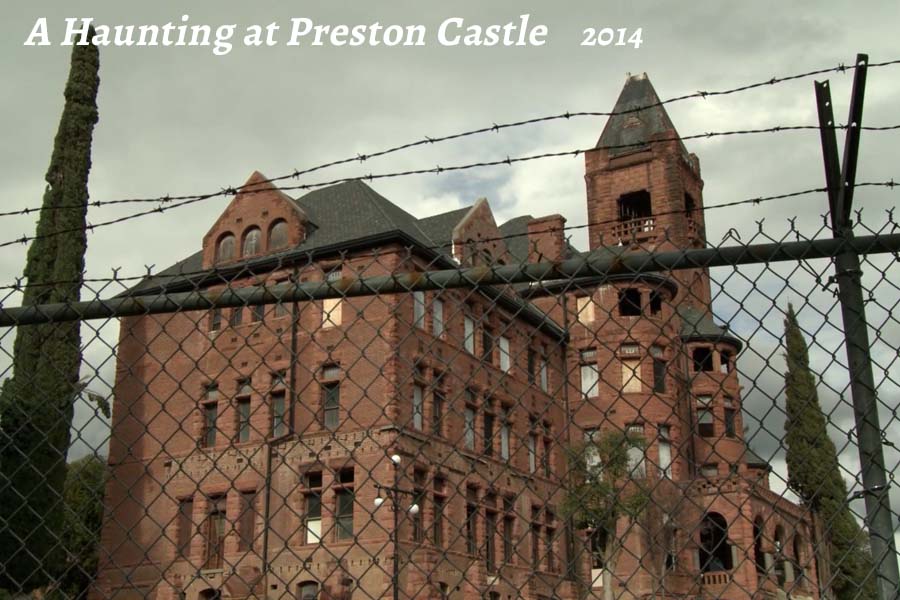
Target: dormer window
225	248
278	235
252	242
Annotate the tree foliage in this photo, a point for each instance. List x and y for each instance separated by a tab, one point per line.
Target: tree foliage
80	534
814	472
605	486
36	403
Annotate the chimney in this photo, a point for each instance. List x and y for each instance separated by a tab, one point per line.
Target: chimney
546	238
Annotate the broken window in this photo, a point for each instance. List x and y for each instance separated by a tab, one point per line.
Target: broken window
703	359
635	205
630	302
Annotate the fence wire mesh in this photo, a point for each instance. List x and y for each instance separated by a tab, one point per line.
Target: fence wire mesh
502	419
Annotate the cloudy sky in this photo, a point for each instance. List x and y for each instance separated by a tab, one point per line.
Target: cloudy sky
184	121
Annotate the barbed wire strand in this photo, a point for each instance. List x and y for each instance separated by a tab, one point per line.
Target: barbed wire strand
216	271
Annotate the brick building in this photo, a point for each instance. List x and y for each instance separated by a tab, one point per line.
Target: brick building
249	446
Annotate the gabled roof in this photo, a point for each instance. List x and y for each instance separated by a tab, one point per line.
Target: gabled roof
630	127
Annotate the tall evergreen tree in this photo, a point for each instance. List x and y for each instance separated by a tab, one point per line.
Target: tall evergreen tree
815	474
36	403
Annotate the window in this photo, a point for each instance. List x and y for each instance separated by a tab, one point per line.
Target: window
243	425
237	316
504	433
535	538
331	312
331	405
215	319
709	470
548	458
636	465
437	412
659	370
532	452
278	235
469	334
591	453
247	521
279	423
308	590
630	302
532	365
437	317
584	307
331	371
590	374
598	542
488	421
419	309
471	521
252	242
490	535
437	526
725	361
665	451
509	523
635	205
631	378
487	344
503	344
418	498
655	302
312	514
334	273
759	557
469	428
705	426
210	414
545	378
715	550
278	379
549	535
344	506
730	416
780	571
225	248
215	532
258	313
703	359
185	527
417	406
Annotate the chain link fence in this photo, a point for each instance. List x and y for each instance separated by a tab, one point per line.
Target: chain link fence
396	420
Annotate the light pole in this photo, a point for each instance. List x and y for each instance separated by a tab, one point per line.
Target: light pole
391	493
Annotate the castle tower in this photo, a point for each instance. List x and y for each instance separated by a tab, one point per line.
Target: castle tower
644	189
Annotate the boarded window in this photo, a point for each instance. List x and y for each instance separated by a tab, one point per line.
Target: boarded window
247	521
584	306
631	375
331	312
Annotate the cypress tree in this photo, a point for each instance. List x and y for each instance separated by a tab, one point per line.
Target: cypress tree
36	403
814	472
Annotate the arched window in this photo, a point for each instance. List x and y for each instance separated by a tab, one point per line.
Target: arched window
759	558
715	551
798	557
278	235
225	248
252	242
780	573
307	590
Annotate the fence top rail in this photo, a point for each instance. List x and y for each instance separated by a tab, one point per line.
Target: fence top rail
609	262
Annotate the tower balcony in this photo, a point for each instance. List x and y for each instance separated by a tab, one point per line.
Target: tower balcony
641	229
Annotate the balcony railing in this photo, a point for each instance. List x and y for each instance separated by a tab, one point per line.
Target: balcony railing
635	230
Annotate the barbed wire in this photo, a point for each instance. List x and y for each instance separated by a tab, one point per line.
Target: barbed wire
431	170
494	127
891	184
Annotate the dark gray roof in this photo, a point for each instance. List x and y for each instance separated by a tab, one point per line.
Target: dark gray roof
440	227
517	244
755	460
699	324
635	126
